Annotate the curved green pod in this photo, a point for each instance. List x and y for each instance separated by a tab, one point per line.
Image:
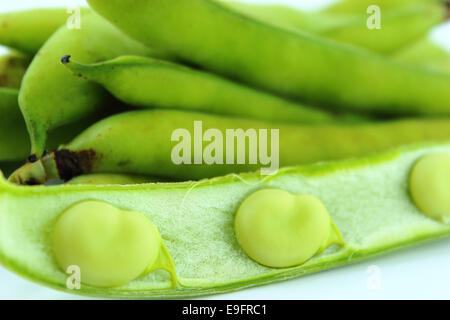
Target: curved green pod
14	140
425	53
28	30
153	83
401	25
284	16
294	64
50	96
181	145
374	213
12	69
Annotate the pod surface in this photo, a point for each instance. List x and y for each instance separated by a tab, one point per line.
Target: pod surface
28	30
293	64
71	98
173	144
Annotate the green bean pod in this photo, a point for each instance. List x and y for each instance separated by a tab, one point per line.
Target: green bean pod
14	140
171	144
149	83
28	30
50	96
401	25
425	53
12	69
195	220
290	18
294	64
355	6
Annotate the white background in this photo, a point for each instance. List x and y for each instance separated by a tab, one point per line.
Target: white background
421	272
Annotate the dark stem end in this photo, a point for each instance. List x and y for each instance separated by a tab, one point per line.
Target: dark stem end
32	159
66	59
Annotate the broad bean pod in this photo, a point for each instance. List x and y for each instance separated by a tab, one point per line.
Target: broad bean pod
14	140
154	83
425	53
294	64
196	219
401	25
51	97
174	144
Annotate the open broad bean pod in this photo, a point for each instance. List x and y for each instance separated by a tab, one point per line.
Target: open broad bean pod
367	206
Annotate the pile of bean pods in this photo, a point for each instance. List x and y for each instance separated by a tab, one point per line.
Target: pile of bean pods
123	102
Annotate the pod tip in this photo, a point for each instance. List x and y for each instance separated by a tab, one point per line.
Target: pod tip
33	158
66	59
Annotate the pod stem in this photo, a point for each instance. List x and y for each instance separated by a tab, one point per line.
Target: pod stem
78	69
58	165
165	262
